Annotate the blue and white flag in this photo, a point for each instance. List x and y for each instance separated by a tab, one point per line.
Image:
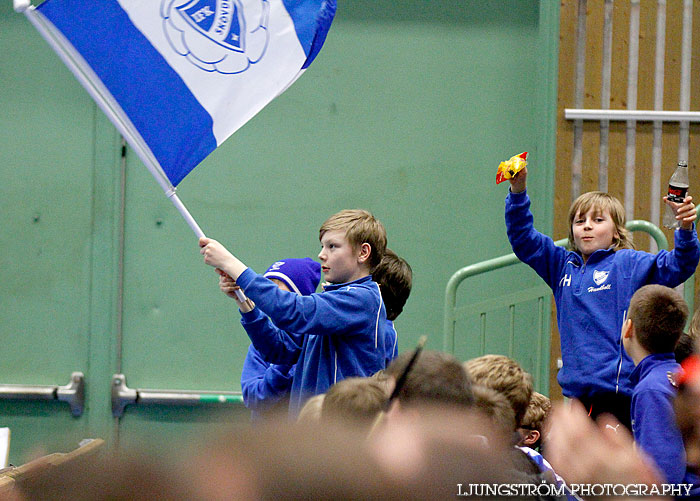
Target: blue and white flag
183	75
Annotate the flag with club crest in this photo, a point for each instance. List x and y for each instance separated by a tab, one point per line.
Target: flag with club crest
178	77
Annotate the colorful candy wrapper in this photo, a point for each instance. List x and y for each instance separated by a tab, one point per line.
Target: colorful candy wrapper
511	167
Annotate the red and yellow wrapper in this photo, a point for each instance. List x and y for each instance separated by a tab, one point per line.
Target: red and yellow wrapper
511	167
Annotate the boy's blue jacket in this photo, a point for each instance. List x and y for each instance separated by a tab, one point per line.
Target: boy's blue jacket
592	298
341	331
263	384
653	420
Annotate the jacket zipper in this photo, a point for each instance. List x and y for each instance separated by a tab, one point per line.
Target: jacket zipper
619	361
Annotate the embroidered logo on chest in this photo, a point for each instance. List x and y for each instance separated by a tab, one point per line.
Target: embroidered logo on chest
600	276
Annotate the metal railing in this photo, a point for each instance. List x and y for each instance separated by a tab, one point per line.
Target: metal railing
73	393
452	313
122	396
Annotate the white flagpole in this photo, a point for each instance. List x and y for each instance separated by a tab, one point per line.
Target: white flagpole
107	104
92	84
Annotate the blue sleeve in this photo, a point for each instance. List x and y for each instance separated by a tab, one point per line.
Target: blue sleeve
656	433
530	246
273	344
264	383
675	267
350	310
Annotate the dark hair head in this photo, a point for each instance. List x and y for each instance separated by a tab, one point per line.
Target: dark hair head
658	315
436	377
395	279
684	347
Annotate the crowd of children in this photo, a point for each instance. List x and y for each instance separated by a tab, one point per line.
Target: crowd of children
334	355
368	422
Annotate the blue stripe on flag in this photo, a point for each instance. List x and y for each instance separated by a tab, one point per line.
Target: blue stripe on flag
162	108
312	19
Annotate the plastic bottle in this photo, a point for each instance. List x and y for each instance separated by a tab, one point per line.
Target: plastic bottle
677	190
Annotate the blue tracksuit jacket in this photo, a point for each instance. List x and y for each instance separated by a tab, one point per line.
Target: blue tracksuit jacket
263	384
338	333
653	420
592	298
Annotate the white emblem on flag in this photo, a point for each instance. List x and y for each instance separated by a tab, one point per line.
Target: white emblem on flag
600	276
224	36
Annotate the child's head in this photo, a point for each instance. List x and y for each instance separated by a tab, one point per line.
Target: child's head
311	411
505	376
531	428
597	203
684	347
355	400
435	378
352	242
496	408
657	314
297	275
395	278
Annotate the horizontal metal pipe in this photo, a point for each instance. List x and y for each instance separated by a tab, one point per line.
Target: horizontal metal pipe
642	115
27	392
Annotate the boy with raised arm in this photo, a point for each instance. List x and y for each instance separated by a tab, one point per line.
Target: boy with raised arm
342	329
592	285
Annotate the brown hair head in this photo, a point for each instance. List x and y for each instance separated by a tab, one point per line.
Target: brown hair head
658	315
435	378
496	407
395	277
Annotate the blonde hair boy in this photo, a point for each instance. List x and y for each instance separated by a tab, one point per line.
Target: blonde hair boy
360	227
506	376
531	429
332	335
601	202
592	284
356	401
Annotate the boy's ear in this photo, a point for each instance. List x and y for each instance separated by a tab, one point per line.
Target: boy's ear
365	252
627	329
532	437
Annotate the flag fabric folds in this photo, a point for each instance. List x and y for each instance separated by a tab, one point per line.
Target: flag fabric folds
186	74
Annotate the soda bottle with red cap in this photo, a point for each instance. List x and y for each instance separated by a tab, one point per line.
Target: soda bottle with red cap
677	190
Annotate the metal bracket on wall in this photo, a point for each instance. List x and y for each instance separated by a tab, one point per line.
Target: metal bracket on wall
73	393
122	396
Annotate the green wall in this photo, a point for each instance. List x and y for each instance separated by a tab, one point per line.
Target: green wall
406	112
